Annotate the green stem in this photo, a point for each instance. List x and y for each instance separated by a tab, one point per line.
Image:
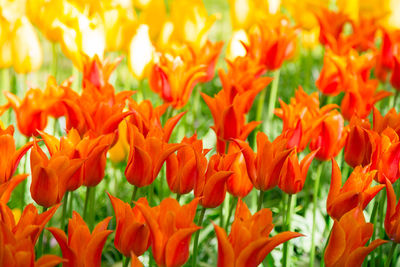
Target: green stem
221	213
396	96
64	210
75	74
24	182
272	97
286	249
374	221
316	196
125	261
40	248
260	200
70	205
134	192
178	197
231	207
391	253
196	238
91	207
86	206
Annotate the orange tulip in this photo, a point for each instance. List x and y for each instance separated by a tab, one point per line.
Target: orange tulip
31	112
15	251
360	97
388	159
392	217
171	227
182	171
293	174
271	45
30	224
82	248
330	81
346	245
229	115
208	56
147	154
391	120
265	166
239	183
173	79
9	155
356	191
360	147
302	117
395	77
331	25
249	242
385	58
50	176
211	184
147	118
132	234
329	137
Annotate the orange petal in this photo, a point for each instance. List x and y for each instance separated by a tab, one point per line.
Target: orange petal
226	255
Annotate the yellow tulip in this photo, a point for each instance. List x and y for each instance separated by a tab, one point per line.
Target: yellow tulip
303	12
140	52
5	46
92	36
119	152
26	50
235	46
191	22
154	15
393	20
357	9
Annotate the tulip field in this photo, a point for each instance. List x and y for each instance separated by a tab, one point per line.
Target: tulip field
229	133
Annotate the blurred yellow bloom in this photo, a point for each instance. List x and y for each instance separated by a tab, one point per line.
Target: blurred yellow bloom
140	52
119	152
235	46
5	46
245	13
310	38
154	15
26	50
303	11
357	9
393	20
191	22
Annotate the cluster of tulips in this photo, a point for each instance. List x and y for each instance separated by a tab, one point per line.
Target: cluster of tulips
99	130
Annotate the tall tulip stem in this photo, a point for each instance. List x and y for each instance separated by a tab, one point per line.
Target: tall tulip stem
391	253
40	247
24	182
316	195
260	200
134	192
196	238
231	207
289	210
378	201
64	210
273	94
125	261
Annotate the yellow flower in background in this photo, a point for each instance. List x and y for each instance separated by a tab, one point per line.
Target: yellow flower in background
119	152
141	52
303	11
119	26
357	9
5	45
26	50
235	46
243	12
392	21
154	15
191	22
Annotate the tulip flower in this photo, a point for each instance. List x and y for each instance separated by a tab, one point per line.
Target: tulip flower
360	97
50	176
146	156
394	78
248	242
173	79
239	183
391	120
5	49
182	171
356	191
392	214
245	14
361	143
385	57
82	248
293	173
265	166
141	52
228	112
329	137
346	245
388	157
7	187
211	183
15	251
132	234
171	227
26	51
330	79
271	45
120	150
302	118
9	155
147	118
331	25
